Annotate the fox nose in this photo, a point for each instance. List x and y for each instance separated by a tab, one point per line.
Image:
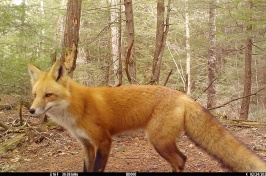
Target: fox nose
32	111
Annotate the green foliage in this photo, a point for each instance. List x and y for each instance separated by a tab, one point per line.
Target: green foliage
27	36
30	33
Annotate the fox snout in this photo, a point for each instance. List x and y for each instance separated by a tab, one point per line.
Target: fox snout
37	107
41	109
37	111
32	110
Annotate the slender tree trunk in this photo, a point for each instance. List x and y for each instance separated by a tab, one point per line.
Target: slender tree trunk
263	82
120	75
131	61
110	61
188	82
161	34
59	30
71	35
22	19
59	33
248	58
211	92
40	44
115	38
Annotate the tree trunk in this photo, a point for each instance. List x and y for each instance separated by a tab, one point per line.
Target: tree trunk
59	30
248	57
211	92
120	71
262	76
188	82
71	35
161	34
131	61
115	38
40	46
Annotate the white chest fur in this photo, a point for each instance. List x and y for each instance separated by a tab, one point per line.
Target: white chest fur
65	119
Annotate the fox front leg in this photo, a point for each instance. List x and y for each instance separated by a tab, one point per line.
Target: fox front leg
102	155
89	151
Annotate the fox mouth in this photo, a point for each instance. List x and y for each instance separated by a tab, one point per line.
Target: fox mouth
38	112
52	106
47	110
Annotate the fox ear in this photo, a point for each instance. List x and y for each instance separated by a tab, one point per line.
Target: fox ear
58	71
34	72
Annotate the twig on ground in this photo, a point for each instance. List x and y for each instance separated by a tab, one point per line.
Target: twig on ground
4	126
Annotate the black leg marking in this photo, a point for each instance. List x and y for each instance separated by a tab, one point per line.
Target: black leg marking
99	164
84	167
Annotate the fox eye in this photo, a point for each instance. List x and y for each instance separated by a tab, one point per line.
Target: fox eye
34	95
48	95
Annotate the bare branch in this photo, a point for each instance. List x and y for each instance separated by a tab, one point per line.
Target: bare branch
236	99
206	88
168	76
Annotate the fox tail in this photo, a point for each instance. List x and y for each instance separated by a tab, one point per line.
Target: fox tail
209	134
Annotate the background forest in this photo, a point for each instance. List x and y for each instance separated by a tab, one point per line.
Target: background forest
32	32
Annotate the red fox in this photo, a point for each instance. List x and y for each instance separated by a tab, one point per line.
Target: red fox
93	114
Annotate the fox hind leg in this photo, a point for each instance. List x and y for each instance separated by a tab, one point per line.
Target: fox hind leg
172	154
162	136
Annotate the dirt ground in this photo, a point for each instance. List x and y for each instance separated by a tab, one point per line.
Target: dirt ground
49	148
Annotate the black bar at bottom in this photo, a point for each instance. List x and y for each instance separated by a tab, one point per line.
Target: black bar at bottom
130	173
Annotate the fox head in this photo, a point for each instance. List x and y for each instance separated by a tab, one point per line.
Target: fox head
49	89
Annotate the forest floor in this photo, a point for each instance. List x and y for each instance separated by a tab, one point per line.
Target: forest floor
49	148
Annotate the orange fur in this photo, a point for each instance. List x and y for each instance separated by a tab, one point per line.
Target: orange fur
93	115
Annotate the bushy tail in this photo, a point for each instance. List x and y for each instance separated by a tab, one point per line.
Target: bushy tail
210	135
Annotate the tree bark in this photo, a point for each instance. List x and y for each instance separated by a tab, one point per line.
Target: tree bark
211	92
120	70
248	58
131	61
71	35
115	39
188	82
60	28
161	34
